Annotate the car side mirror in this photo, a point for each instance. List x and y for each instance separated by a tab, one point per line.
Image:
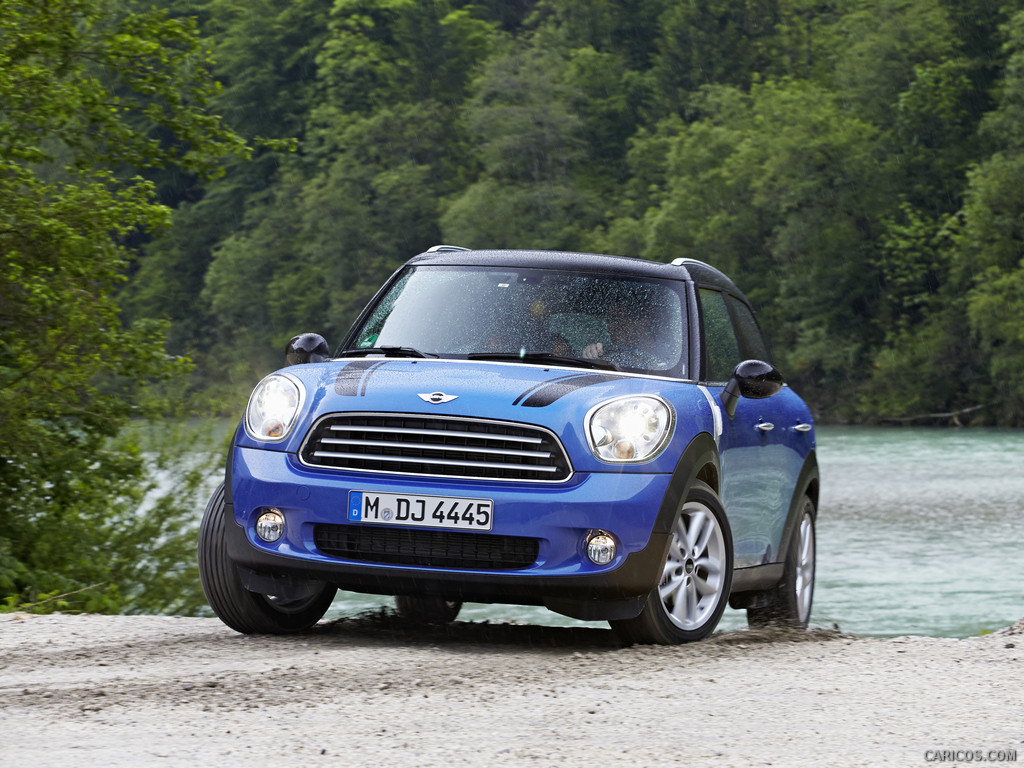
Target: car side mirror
755	379
306	348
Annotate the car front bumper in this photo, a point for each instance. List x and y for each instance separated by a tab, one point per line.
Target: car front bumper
558	516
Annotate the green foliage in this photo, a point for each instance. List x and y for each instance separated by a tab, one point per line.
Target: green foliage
88	99
114	530
882	41
928	363
824	153
780	185
990	257
382	52
530	149
266	55
925	369
79	76
715	42
854	165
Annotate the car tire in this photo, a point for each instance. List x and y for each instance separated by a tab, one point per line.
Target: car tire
427	610
244	611
789	604
693	591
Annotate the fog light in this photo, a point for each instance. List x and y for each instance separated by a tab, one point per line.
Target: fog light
270	525
601	548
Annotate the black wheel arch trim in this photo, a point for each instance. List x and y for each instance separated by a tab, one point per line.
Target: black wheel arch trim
228	489
701	452
807	484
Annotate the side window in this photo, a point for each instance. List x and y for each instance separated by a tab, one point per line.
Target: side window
723	350
752	343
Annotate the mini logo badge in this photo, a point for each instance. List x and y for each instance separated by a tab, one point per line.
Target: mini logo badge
436	397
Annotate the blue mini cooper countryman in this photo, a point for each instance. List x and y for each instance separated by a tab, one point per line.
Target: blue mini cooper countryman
604	436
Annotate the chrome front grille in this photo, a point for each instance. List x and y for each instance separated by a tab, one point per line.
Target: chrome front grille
407	444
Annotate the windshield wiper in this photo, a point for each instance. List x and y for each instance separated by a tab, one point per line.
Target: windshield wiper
386	351
543	357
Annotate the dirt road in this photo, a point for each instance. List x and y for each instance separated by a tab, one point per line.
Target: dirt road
162	691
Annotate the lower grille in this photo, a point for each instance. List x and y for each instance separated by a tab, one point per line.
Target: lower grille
436	549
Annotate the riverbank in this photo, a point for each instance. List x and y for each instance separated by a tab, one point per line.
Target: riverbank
145	691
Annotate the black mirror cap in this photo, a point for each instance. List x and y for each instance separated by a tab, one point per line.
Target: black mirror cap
307	348
755	379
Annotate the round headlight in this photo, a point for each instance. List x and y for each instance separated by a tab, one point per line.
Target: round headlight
273	406
630	429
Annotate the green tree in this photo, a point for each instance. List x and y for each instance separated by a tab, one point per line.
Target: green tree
879	44
528	142
781	188
265	57
88	98
927	363
817	150
385	52
382	151
989	259
716	42
902	64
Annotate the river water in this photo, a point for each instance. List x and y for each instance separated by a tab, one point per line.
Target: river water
919	532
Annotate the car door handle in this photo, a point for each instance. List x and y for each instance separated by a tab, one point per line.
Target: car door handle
803	427
766	426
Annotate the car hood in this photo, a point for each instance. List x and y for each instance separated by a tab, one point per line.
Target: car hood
558	398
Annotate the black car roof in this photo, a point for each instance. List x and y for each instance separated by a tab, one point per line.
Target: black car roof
680	269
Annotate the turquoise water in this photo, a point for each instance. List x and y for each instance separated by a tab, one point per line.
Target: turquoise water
919	532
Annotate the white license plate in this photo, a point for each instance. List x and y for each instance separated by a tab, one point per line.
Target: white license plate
423	511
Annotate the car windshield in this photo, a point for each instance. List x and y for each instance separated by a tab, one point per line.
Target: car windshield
533	315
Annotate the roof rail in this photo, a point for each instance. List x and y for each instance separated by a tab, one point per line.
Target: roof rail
440	248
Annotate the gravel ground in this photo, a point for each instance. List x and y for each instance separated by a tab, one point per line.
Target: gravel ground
145	691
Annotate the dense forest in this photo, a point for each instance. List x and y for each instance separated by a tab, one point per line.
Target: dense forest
183	188
855	165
